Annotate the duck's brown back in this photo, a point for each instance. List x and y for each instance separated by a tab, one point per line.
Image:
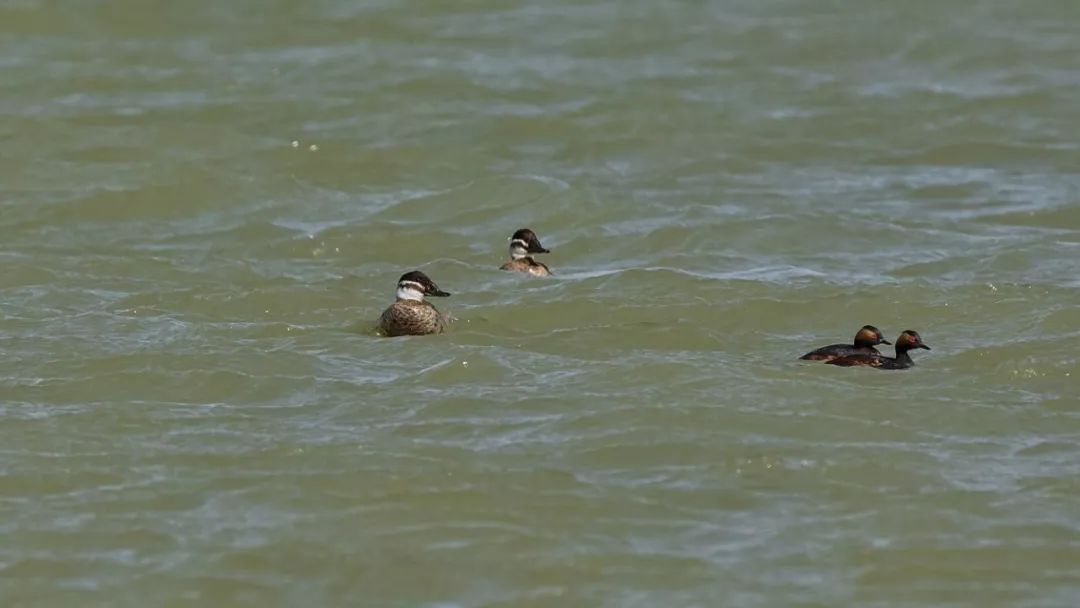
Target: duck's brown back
527	265
411	318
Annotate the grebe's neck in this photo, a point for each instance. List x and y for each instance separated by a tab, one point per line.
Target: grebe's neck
902	356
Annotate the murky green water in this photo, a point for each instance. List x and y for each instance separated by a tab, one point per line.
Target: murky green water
204	206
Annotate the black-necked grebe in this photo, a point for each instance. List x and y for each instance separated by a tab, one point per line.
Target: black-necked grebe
865	340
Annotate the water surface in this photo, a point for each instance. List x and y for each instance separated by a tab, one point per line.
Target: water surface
204	207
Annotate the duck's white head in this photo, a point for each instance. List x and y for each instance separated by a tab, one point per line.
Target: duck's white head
525	242
415	285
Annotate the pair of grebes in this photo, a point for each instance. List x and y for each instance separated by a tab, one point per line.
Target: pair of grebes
412	315
862	351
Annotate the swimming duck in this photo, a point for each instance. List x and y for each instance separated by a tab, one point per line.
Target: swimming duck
865	340
908	340
411	315
522	243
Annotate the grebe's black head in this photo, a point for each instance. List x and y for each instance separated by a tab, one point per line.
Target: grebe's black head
415	285
910	339
524	242
869	336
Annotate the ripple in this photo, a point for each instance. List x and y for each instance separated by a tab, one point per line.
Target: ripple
202	222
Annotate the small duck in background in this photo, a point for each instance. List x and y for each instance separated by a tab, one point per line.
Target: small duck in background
523	243
411	315
865	340
908	340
